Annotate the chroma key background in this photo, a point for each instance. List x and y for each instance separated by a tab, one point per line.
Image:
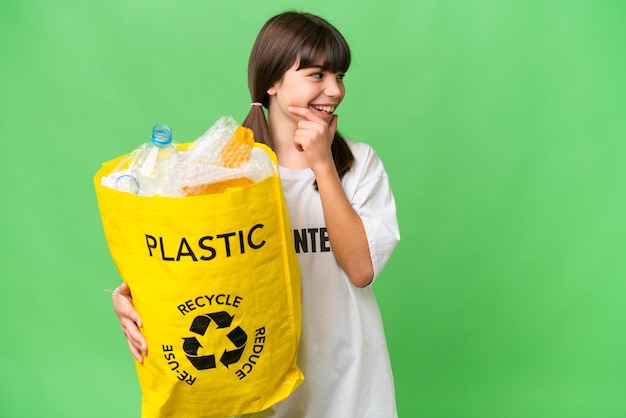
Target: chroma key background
502	126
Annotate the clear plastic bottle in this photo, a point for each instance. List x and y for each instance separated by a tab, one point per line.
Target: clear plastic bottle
150	165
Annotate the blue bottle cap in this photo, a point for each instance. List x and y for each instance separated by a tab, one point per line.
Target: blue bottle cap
161	134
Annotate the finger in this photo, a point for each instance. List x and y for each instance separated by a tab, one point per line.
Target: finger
306	113
134	336
332	126
124	289
135	353
126	312
133	315
136	348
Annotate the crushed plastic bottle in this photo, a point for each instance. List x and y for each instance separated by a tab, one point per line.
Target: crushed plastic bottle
224	157
150	166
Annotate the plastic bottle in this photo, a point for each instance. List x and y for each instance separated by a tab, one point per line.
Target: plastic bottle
150	165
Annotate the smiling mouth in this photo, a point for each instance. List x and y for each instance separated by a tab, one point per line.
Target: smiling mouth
325	109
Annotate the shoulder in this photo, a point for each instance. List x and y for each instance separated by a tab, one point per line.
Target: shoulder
366	160
360	150
367	167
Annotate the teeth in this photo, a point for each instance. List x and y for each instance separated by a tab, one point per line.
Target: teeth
325	109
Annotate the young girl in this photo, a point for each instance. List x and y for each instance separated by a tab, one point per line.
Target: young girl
338	193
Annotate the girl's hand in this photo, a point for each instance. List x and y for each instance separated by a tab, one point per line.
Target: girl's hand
130	321
314	136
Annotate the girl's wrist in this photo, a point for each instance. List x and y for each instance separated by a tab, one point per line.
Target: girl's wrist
325	171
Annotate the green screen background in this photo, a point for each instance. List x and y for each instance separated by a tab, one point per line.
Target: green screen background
501	123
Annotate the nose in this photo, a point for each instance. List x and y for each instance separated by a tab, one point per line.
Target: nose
333	87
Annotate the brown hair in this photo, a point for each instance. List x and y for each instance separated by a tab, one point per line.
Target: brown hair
283	40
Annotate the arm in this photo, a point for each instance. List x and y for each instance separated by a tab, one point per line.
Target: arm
130	321
345	227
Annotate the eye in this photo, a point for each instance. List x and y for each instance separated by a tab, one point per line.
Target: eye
317	75
341	76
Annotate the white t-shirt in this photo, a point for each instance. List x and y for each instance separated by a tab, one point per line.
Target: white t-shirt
343	354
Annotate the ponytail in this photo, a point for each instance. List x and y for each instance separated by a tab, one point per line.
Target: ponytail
257	122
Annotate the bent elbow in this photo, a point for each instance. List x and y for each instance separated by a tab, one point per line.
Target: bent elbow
362	278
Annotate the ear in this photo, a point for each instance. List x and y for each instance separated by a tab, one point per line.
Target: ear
273	90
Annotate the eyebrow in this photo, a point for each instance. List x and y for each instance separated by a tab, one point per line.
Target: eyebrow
310	67
320	68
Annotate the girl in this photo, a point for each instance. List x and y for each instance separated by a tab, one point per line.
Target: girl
338	191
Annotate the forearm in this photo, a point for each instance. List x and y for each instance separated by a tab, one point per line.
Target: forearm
345	228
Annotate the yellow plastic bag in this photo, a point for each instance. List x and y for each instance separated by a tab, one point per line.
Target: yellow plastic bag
215	280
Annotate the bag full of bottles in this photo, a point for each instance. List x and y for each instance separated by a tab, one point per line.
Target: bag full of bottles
200	233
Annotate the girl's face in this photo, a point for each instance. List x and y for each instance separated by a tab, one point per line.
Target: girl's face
312	88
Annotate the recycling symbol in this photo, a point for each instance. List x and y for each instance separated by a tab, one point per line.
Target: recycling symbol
199	326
